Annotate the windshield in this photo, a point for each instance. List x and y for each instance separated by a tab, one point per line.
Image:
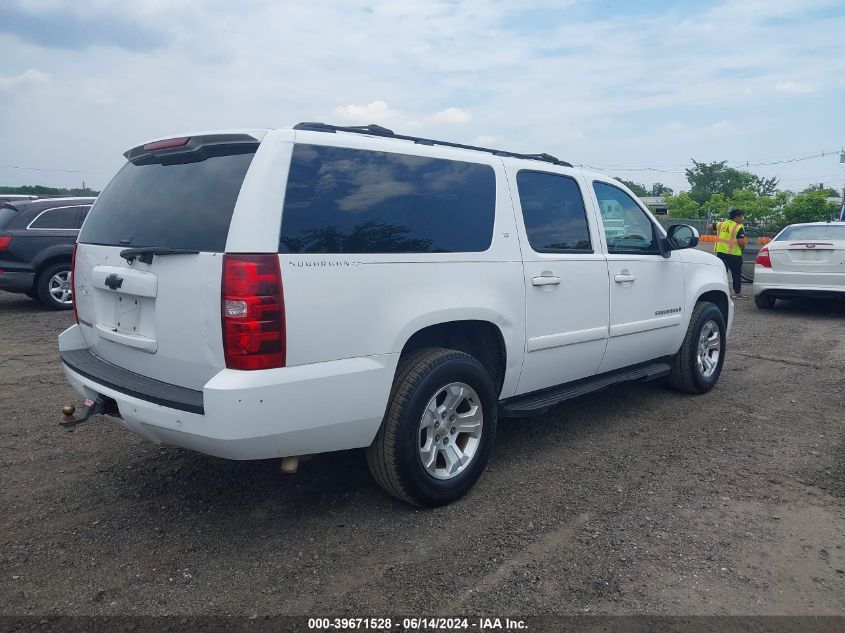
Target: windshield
813	232
178	204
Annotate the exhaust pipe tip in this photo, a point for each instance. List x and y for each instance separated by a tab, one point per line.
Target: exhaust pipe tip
290	464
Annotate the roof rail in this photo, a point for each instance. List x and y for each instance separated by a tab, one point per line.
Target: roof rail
377	130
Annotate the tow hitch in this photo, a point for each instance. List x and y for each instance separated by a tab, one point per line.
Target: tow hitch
101	405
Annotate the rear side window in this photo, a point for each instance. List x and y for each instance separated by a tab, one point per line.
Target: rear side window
64	218
177	204
554	213
342	200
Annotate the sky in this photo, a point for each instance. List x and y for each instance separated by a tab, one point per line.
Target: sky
636	89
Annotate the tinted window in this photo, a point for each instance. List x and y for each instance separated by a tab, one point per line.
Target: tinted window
342	200
83	212
813	232
61	218
178	205
6	214
554	213
626	226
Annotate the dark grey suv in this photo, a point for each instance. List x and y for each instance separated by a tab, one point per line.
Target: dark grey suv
36	247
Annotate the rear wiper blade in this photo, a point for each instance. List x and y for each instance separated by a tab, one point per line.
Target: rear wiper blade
145	253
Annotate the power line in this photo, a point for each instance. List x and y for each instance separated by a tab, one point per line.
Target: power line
668	169
791	160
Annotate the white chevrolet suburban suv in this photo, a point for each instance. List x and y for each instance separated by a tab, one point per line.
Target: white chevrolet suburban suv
279	293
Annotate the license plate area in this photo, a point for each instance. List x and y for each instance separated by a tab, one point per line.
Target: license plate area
127	314
811	256
124	306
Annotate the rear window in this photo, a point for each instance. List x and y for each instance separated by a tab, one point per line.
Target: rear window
813	232
6	214
342	200
178	205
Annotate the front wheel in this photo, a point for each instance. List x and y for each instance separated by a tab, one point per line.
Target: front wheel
438	432
698	364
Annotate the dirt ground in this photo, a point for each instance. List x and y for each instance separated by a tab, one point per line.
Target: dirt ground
633	500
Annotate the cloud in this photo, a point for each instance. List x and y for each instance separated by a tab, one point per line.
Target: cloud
719	125
380	113
794	87
591	84
451	115
78	26
27	79
373	112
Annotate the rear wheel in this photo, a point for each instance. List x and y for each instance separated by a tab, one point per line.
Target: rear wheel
54	287
438	432
698	364
764	302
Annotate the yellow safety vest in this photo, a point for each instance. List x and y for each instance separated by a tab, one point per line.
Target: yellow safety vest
726	241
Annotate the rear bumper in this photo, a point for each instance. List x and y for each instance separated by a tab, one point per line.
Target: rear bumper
797	284
298	410
16	282
785	292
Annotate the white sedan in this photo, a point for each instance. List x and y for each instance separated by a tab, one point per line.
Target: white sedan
803	260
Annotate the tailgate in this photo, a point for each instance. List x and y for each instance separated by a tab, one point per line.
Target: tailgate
160	320
157	313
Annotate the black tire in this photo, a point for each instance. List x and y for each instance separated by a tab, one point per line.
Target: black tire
686	375
42	286
394	456
764	302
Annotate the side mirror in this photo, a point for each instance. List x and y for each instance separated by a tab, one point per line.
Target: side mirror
682	236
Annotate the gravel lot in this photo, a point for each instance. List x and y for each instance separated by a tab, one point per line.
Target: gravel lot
634	500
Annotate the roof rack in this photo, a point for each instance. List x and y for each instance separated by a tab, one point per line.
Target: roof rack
377	130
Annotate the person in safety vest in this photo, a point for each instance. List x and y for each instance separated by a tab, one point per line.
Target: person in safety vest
730	241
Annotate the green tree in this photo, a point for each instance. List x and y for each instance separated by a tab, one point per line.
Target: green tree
828	191
41	190
659	189
809	207
707	179
682	206
762	213
638	189
717	206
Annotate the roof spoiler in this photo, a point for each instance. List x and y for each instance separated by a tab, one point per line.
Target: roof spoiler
190	147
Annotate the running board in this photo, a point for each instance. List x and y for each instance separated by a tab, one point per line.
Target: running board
537	402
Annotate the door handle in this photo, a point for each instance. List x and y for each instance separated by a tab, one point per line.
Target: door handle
623	277
545	280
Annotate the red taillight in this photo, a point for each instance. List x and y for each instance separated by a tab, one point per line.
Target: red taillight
168	143
4	242
253	312
73	283
763	258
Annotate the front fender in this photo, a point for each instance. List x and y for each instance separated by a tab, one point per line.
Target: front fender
701	279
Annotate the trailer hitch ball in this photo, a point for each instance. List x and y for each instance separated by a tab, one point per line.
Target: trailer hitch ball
94	407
